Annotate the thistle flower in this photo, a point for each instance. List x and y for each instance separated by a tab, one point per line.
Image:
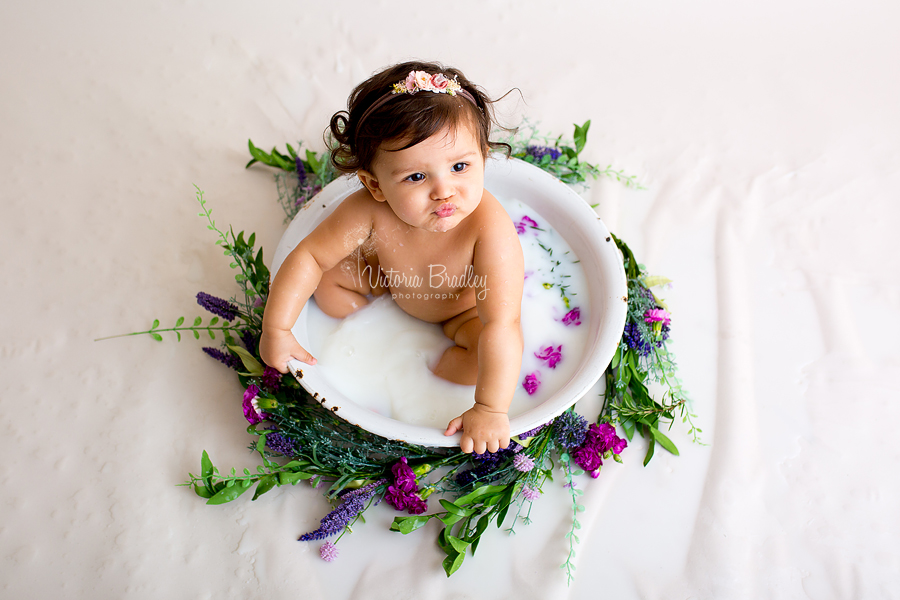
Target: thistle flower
532	382
217	306
538	152
570	428
227	359
531	494
551	355
523	463
328	551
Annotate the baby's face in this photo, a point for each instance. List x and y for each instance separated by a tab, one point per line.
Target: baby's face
433	185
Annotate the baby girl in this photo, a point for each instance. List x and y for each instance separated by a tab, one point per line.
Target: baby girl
422	228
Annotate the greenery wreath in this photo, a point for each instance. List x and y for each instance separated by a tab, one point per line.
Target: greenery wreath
297	439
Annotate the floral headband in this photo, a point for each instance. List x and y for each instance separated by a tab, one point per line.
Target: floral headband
421	81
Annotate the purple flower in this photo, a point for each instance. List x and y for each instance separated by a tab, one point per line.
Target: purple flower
250	340
531	494
524	222
551	355
600	439
352	503
402	495
271	378
532	382
251	411
523	463
227	359
531	432
281	444
217	306
538	152
655	315
404	477
328	551
634	339
573	317
570	429
301	171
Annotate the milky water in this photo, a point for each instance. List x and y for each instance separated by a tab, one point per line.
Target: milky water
381	358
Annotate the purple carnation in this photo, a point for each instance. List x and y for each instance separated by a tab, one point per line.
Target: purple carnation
328	551
404	477
252	412
229	360
573	317
271	378
532	382
599	440
551	355
217	306
655	315
403	495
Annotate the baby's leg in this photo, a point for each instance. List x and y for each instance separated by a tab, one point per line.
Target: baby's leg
459	363
344	288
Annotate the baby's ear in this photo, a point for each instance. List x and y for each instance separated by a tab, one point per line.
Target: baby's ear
368	180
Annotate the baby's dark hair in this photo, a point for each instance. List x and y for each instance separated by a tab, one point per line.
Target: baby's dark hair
408	118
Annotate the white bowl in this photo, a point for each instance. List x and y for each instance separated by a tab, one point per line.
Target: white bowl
566	212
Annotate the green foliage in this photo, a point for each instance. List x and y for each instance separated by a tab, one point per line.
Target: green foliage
295	186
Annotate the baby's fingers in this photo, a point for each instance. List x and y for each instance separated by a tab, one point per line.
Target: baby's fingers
454	426
302	355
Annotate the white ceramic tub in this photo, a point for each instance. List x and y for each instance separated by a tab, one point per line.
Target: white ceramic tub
572	218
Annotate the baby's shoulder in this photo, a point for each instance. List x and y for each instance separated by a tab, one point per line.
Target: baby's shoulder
491	219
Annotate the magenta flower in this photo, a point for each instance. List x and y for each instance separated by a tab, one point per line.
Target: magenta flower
600	439
271	378
526	221
532	382
655	315
403	494
251	411
573	317
531	494
551	355
523	463
328	551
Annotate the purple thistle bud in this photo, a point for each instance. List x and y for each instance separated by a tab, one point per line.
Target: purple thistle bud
531	494
570	429
282	444
523	463
328	551
531	432
250	340
352	503
538	152
217	306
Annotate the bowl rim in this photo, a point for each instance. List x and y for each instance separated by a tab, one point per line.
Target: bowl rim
577	216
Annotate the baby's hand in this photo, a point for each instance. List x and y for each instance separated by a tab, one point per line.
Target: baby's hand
278	346
483	429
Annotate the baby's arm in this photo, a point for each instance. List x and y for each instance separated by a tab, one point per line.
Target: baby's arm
300	274
499	265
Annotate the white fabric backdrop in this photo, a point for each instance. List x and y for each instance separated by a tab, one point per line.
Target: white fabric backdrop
767	136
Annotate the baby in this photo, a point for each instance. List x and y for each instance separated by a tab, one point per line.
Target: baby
423	228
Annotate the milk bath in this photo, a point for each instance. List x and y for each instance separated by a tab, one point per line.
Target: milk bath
381	358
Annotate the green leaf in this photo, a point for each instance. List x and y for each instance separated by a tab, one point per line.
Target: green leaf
228	494
453	563
179	321
409	524
580	136
458	544
451	518
265	484
197	321
615	359
156	337
292	478
178	333
650	447
663	440
202	491
155	324
213	321
196	335
452	508
628	426
479	492
293	154
253	366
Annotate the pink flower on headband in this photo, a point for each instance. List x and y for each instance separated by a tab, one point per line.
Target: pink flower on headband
439	81
411	82
423	80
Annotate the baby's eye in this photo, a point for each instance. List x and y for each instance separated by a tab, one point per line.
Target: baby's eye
460	166
416	177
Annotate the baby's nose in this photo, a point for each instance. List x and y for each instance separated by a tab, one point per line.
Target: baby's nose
441	191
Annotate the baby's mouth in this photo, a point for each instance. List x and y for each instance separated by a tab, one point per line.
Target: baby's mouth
445	210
